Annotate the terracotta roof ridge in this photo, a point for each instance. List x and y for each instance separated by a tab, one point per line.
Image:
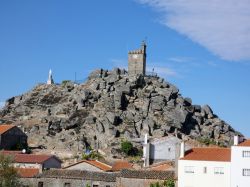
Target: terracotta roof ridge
211	148
81	161
103	163
92	162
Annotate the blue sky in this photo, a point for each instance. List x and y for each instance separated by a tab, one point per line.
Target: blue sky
203	47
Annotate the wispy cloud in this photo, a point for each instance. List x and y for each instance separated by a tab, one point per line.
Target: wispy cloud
163	71
121	63
180	59
223	27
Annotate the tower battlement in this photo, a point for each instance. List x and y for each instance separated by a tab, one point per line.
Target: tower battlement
137	61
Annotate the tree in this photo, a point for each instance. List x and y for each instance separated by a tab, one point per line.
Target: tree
166	183
169	183
127	147
8	174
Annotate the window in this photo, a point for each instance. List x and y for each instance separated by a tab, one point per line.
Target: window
205	170
246	172
95	185
40	184
245	153
218	170
189	169
66	184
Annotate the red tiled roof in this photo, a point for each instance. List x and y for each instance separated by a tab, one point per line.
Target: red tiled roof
31	158
95	163
99	165
28	158
5	128
27	172
121	164
163	166
209	154
5	152
246	143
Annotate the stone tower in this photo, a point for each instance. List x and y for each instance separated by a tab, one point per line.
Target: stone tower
137	61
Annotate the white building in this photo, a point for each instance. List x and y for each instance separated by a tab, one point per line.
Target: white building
240	164
161	149
204	167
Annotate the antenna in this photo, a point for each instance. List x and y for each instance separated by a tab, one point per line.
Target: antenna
145	39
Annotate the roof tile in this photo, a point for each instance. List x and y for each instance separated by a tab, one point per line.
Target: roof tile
208	154
121	164
28	158
27	172
162	166
5	128
246	143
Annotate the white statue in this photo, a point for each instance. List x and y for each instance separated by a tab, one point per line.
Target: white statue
50	79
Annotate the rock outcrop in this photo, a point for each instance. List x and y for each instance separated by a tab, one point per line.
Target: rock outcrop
108	107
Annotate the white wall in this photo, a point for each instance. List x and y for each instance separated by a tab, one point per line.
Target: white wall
201	179
26	165
238	163
164	149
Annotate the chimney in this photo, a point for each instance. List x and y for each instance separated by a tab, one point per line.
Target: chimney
182	151
236	140
146	151
40	167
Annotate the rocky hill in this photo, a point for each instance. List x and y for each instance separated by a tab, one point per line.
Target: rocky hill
108	107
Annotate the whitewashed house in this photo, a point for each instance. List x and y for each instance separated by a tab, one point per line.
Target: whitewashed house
240	164
204	167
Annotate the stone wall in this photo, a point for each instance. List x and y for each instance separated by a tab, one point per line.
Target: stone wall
128	182
62	182
74	178
125	178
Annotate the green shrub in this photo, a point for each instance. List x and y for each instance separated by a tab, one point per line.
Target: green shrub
169	183
127	147
87	185
206	141
64	82
93	155
166	183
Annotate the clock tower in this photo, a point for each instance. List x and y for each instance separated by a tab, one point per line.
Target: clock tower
137	61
